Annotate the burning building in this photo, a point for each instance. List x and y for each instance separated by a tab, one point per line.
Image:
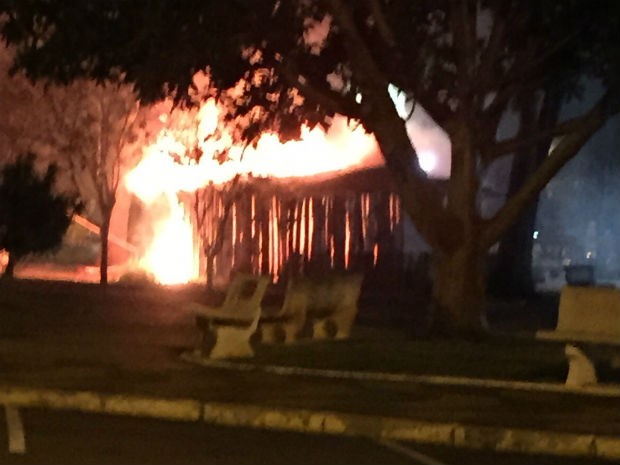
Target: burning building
322	202
341	221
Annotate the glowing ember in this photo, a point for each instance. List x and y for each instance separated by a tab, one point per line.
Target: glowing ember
171	256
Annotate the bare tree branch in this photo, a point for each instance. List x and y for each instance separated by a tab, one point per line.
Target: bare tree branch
491	53
333	101
381	22
421	198
565	150
362	57
464	27
513	144
529	61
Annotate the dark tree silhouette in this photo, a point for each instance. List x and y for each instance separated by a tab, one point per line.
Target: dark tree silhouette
467	62
33	218
512	272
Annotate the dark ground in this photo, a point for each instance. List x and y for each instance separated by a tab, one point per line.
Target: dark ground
128	339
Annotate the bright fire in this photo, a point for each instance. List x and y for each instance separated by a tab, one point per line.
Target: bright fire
172	256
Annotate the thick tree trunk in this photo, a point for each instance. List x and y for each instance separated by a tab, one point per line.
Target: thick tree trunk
458	293
459	280
104	232
512	269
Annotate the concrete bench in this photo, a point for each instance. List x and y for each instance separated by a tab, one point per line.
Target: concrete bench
588	317
332	306
226	330
284	323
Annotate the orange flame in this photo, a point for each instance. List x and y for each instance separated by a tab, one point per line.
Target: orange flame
171	256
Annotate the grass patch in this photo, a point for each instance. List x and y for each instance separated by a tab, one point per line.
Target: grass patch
28	307
508	358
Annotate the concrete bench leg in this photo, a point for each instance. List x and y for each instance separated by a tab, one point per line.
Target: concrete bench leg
581	371
291	331
274	333
231	341
336	326
344	321
269	333
321	329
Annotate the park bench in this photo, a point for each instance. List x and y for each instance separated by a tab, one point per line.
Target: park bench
588	321
332	306
283	323
226	330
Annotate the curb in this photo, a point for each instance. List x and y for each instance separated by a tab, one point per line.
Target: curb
308	421
560	388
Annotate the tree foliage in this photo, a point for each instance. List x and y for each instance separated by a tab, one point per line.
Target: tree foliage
20	123
93	132
453	57
33	218
96	133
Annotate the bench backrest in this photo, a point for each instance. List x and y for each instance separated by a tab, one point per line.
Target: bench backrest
296	297
337	292
350	289
590	310
244	295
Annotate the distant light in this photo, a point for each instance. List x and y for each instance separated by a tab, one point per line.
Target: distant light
535	235
427	160
358	98
589	255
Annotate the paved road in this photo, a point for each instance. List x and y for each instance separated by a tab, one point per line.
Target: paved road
77	438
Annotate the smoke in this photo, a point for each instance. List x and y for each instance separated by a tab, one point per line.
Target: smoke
578	218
